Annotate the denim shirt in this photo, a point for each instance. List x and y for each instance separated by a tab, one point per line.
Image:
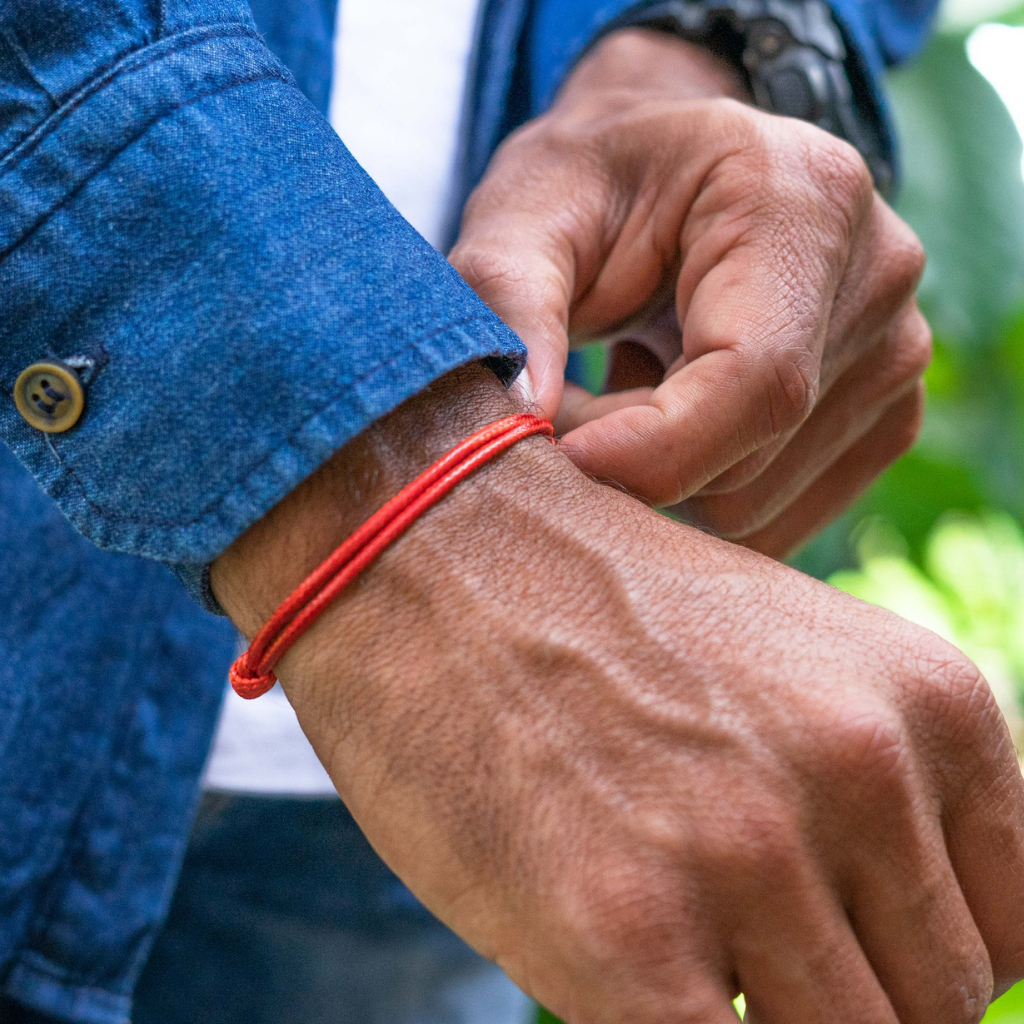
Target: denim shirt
178	220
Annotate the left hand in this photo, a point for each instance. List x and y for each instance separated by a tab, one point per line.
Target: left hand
796	377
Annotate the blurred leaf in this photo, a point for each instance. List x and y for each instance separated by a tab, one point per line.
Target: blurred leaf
1009	1009
586	367
962	191
917	491
1011	16
958	15
896	584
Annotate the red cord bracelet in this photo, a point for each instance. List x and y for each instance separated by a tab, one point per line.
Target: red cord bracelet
252	674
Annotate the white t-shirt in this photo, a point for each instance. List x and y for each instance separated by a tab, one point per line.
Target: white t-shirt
400	72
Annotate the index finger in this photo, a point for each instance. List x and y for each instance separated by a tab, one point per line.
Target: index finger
753	345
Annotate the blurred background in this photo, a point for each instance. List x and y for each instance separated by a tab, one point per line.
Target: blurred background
939	537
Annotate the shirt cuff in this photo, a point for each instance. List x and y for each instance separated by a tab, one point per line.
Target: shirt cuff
240	298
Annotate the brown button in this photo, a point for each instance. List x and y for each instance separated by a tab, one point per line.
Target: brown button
49	397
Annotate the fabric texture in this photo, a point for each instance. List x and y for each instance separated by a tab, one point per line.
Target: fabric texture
177	219
214	306
110	679
314	929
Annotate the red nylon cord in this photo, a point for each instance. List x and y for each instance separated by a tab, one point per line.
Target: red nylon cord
252	674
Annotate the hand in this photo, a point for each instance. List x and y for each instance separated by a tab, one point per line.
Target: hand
637	766
643	200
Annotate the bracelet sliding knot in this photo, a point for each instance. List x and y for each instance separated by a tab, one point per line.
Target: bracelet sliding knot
252	674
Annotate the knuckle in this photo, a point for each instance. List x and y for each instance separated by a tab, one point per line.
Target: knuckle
957	698
868	742
842	175
792	390
913	347
903	256
968	998
486	270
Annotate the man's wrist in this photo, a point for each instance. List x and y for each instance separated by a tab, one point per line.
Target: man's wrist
273	556
656	64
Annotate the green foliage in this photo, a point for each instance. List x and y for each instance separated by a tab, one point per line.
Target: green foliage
970	591
963	194
1007	1010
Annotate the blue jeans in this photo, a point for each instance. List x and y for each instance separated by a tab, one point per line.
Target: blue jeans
285	915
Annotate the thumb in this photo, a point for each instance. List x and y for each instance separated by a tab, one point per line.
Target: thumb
753	342
527	277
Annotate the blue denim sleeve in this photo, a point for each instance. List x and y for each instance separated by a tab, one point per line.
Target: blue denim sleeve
179	223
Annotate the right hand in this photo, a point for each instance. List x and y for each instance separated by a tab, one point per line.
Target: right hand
781	372
639	767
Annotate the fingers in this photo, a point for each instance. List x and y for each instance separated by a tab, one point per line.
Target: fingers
579	406
769	332
791	275
702	420
843	483
853	406
795	956
754	298
885	266
889	369
795	973
525	276
989	884
983	814
910	915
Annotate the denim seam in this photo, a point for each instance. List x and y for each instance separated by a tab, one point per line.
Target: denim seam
287	439
109	73
26	65
144	130
35	964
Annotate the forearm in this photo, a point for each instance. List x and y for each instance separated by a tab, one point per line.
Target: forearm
394	676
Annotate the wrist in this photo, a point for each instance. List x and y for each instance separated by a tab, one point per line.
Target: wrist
640	62
379	645
263	566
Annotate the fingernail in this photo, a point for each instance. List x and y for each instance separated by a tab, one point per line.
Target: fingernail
524	387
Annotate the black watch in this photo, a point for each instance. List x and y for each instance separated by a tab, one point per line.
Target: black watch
793	56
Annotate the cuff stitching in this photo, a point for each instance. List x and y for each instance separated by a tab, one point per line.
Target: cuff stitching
143	130
287	439
137	60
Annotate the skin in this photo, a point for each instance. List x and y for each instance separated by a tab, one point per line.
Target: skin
640	767
651	196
